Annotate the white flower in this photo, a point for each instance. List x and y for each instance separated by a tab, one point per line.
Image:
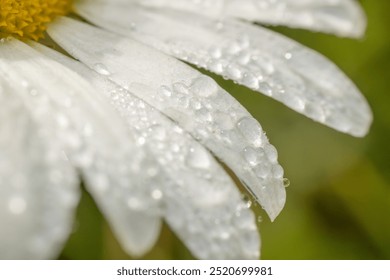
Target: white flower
139	128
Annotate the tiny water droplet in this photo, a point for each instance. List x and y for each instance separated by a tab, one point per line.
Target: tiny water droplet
101	69
259	219
271	153
250	156
247	201
250	81
288	55
157	194
234	72
286	182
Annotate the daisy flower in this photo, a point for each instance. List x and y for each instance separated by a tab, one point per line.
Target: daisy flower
118	107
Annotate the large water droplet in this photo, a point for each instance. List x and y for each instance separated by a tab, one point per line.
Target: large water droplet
250	81
204	86
271	153
251	130
250	156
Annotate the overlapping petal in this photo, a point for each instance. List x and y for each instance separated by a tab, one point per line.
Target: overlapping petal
341	17
94	139
200	201
193	100
250	55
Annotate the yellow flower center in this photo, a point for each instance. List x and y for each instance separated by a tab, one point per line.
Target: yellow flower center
28	19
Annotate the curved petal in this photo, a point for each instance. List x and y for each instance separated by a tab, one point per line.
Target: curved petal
38	187
96	141
344	18
201	202
252	56
193	100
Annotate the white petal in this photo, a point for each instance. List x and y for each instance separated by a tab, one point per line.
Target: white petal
193	100
38	187
95	139
252	56
201	202
340	17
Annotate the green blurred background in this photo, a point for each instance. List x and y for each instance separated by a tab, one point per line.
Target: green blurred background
338	203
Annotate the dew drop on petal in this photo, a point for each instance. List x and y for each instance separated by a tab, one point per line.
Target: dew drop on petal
271	153
247	201
157	194
101	69
204	86
251	130
286	182
250	156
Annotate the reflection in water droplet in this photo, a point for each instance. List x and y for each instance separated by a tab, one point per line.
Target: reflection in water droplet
101	69
251	130
157	194
204	86
288	55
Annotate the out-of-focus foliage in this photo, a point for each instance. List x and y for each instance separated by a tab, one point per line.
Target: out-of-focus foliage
338	204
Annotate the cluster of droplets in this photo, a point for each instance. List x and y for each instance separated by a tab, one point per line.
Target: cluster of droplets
275	71
184	160
216	120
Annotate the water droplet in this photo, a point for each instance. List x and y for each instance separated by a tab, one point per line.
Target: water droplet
288	55
259	219
134	203
250	156
234	72
250	81
101	69
278	171
271	153
180	88
251	130
158	132
286	182
215	66
265	88
197	157
223	121
164	92
157	194
263	170
203	115
204	86
233	48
